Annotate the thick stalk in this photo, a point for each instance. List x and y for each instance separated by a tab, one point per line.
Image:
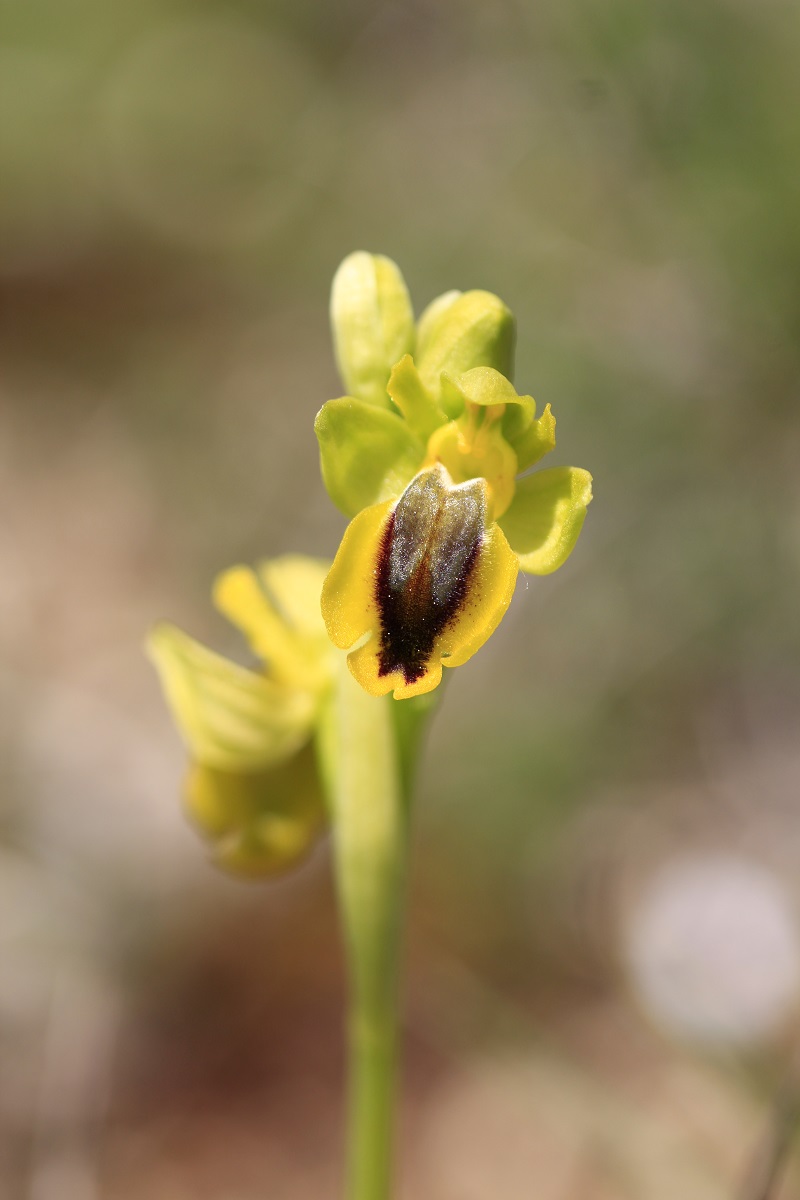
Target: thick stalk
361	765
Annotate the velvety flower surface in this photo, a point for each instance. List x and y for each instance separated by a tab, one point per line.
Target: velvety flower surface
430	457
252	788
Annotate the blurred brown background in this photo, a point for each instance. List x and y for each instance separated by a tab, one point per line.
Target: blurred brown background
604	960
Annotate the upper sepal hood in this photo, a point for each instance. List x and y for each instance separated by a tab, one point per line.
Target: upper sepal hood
460	331
372	322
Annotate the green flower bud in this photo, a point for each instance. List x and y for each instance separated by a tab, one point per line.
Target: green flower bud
373	323
472	330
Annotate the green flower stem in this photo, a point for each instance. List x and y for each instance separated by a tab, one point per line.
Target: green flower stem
365	753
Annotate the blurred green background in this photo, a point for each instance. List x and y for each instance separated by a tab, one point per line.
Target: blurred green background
604	958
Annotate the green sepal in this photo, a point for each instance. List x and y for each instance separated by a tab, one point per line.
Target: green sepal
373	323
475	329
230	718
546	516
257	824
367	454
421	412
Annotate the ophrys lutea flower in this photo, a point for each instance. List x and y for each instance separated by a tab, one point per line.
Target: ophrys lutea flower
429	458
429	455
252	787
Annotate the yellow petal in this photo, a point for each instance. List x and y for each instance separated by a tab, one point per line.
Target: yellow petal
240	596
535	440
295	582
278	612
420	411
546	516
230	718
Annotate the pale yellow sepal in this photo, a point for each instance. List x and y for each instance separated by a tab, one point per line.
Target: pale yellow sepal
230	718
546	516
537	439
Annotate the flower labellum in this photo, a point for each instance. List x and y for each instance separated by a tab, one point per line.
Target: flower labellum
426	576
427	556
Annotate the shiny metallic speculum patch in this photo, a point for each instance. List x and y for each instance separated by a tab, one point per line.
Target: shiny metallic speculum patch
427	556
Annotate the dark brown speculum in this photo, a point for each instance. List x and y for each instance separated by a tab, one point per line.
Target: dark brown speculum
426	560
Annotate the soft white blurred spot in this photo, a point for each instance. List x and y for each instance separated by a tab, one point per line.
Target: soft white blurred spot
712	948
216	133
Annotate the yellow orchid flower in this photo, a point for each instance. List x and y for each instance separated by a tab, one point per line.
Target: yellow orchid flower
427	460
428	455
252	788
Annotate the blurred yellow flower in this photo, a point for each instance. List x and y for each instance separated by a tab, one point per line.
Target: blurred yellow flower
252	787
